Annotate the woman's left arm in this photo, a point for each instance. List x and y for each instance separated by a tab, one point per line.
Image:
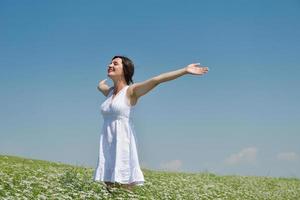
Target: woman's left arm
139	89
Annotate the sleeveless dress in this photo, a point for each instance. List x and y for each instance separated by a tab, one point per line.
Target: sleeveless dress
118	158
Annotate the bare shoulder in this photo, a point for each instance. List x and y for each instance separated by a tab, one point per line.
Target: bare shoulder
130	90
136	90
130	95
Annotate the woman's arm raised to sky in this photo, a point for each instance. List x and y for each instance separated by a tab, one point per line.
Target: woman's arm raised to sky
103	87
139	89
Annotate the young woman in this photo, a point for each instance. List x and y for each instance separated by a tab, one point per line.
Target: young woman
118	162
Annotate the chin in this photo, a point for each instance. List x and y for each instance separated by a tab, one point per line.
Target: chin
109	75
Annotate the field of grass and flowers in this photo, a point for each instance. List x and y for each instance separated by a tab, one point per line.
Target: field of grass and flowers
22	178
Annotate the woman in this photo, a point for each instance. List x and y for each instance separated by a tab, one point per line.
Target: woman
118	161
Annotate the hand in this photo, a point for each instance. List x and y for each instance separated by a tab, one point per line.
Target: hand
102	81
196	69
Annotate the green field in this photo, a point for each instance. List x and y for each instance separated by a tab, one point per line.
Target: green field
22	178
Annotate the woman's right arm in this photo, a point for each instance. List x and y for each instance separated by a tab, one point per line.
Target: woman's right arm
103	87
137	90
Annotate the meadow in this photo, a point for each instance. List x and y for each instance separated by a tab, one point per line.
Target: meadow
23	178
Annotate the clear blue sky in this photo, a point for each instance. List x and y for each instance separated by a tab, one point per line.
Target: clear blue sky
242	117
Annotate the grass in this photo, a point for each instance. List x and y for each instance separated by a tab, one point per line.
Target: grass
22	178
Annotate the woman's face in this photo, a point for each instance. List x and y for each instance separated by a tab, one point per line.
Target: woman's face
115	68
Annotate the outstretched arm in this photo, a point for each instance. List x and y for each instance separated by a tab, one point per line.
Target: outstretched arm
139	89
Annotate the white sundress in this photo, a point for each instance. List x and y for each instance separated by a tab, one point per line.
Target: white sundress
118	158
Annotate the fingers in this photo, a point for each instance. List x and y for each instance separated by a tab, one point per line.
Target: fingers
204	69
103	81
198	64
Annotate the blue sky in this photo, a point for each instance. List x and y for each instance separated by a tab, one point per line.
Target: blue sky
242	117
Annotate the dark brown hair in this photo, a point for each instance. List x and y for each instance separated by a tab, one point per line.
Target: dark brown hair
128	68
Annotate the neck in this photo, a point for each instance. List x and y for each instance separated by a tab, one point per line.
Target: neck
118	85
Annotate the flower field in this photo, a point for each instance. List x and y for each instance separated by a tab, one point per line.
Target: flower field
22	178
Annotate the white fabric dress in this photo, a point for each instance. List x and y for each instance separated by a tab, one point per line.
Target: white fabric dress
118	158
